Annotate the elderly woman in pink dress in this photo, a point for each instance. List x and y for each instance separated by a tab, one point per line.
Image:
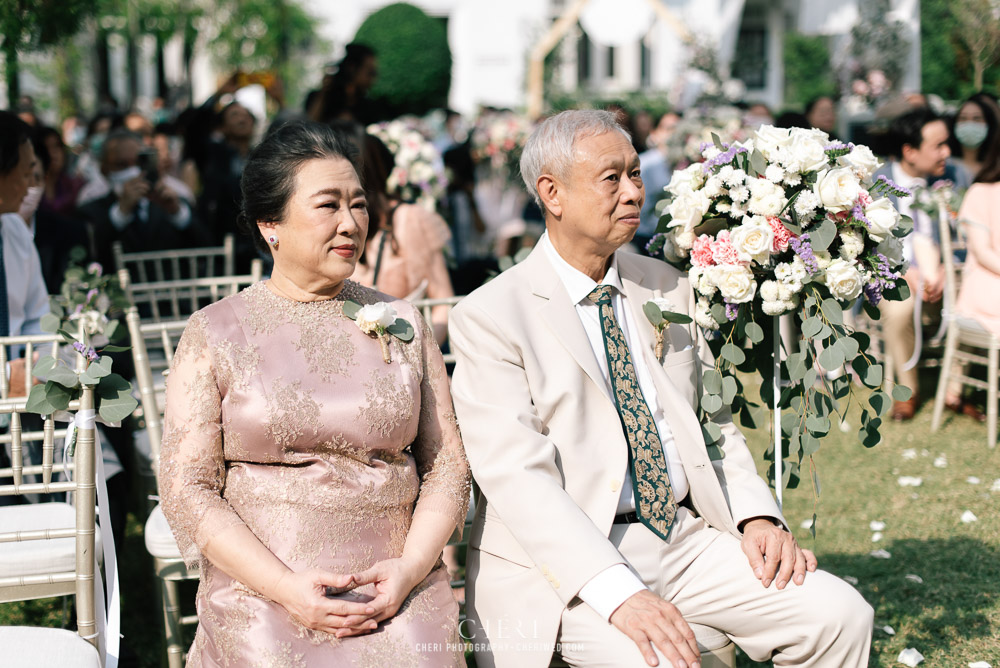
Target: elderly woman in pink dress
311	462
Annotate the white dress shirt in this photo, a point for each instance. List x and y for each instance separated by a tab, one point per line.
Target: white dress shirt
922	223
606	591
27	296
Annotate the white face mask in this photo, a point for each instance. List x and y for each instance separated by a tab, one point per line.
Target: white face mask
971	133
30	203
121	177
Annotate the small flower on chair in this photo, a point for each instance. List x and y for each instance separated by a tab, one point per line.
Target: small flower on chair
660	314
379	319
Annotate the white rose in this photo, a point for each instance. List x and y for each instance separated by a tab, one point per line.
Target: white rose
892	249
687	209
770	139
373	316
862	161
805	153
687	179
753	240
837	189
735	282
882	218
843	280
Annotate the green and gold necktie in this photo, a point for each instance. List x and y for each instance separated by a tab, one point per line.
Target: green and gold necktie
654	496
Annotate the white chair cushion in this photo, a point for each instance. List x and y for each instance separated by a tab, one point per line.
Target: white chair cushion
708	638
33	647
160	540
38	557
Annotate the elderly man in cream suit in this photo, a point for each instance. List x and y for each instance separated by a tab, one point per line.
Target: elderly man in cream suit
564	558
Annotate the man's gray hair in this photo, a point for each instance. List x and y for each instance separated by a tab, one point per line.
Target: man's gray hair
550	148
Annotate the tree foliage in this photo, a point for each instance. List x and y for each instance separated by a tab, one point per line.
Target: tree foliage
947	68
414	59
978	23
808	74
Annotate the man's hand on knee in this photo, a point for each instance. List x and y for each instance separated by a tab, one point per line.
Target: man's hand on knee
774	555
649	620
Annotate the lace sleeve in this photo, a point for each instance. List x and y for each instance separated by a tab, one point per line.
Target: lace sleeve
192	466
438	450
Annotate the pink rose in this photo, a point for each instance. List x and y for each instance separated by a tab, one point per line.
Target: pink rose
781	235
701	251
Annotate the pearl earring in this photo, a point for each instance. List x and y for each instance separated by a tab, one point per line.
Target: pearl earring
273	240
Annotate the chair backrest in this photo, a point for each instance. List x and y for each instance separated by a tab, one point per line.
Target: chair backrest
83	486
177	264
153	346
161	301
947	259
426	306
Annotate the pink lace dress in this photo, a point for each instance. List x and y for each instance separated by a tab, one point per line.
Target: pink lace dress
283	416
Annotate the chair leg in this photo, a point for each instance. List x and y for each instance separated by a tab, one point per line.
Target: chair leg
950	344
888	368
172	623
991	395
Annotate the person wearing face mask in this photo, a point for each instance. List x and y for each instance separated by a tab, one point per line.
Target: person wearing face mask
975	131
144	214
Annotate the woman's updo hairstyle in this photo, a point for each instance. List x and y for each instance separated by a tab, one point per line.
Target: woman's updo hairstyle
268	180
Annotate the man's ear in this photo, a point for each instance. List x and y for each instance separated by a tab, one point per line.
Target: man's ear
550	192
906	153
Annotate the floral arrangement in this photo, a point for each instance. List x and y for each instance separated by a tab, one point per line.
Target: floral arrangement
941	192
787	221
867	90
418	175
695	130
497	138
88	298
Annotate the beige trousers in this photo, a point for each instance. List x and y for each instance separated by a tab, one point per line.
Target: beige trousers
900	337
705	573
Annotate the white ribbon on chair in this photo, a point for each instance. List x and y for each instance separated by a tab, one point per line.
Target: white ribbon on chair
87	419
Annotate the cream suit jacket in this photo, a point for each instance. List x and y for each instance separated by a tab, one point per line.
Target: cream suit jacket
548	453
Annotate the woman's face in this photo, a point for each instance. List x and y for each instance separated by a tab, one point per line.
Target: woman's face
970	113
326	220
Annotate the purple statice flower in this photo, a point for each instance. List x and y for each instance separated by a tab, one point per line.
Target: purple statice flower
656	243
732	310
78	310
884	184
883	278
702	147
839	146
86	351
804	250
90	294
95	268
942	184
873	293
858	214
723	158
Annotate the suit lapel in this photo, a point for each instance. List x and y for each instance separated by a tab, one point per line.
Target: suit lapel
560	315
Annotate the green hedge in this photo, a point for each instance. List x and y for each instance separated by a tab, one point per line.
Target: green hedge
414	60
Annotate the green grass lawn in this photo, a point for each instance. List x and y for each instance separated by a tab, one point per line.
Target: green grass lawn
952	618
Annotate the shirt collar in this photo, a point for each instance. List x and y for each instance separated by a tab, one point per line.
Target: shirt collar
900	176
577	283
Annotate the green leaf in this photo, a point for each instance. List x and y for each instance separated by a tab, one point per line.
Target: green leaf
833	311
111	330
754	332
864	341
719	313
904	227
43	367
841	386
114	398
812	527
871	310
401	329
67	336
715	452
729	390
822	235
831	358
758	162
711	403
50	323
810	378
717	141
810	444
98	370
869	434
848	346
63	375
881	402
899	293
711	432
733	353
351	309
115	349
818	426
676	318
901	392
653	313
38	402
712	381
796	366
789	423
870	373
58	396
811	327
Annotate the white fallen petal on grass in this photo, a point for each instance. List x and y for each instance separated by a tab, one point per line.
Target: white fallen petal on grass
880	554
909	481
806	524
941	462
973	480
995	487
909	453
915	578
925	453
877	536
875	525
888	630
968	517
910	657
979	664
850	579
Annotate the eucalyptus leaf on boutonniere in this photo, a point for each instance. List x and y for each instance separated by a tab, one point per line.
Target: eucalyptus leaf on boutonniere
379	319
661	315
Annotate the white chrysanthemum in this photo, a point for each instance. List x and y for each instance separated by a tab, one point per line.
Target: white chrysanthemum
785	292
685	240
769	291
726	172
737	211
768	205
823	259
713	187
711	152
806	204
774	173
703	315
792	179
701	281
723	207
852	244
736	178
793	274
739	194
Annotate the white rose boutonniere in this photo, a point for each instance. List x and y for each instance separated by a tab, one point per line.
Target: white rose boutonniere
380	320
660	313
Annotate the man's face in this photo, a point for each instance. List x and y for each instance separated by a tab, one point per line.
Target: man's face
120	154
14	184
602	195
929	158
